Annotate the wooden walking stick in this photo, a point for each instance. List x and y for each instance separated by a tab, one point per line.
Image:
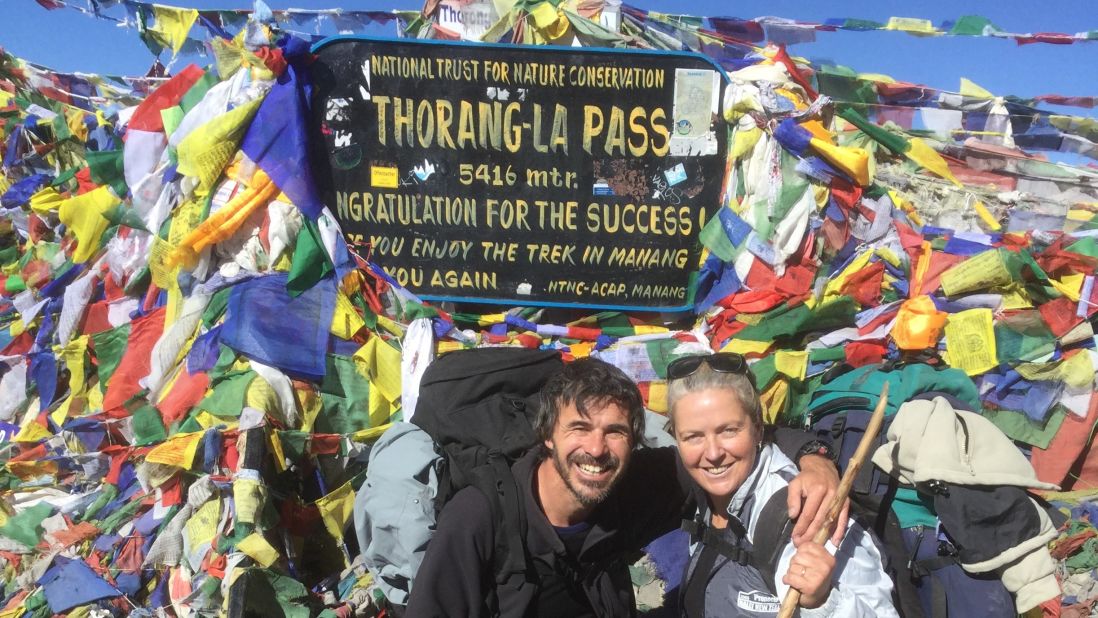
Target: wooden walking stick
793	596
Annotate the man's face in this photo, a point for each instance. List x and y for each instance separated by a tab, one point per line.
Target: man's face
590	452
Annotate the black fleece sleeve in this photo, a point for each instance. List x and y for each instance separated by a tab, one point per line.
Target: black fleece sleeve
789	441
456	571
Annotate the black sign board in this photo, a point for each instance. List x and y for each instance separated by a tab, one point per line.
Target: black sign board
522	175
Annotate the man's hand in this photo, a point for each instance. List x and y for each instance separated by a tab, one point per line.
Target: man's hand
810	494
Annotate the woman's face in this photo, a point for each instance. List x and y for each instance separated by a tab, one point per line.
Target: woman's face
717	441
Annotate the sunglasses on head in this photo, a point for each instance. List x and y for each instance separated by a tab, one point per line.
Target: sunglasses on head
721	362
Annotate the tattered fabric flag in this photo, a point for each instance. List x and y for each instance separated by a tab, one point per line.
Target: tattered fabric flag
336	508
26	526
290	334
277	140
84	215
71	583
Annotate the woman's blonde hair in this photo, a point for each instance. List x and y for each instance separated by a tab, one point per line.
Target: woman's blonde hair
705	378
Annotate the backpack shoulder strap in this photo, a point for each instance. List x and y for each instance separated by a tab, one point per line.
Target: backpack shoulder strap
498	485
773	530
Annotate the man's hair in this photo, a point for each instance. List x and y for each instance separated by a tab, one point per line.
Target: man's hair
705	378
586	383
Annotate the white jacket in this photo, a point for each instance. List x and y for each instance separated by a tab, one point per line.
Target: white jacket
860	587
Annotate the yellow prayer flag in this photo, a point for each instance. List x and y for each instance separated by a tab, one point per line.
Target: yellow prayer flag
202	526
74	118
370	434
382	366
1069	285
744	346
73	357
83	215
32	430
276	450
657	396
172	25
1015	297
980	272
970	341
346	321
489	319
743	142
46	200
178	450
773	400
649	329
257	548
791	363
544	14
835	285
208	421
970	88
381	409
912	25
985	215
336	508
929	159
854	162
248	497
1076	371
206	151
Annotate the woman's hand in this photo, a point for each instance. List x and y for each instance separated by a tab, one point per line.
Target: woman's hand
810	494
810	573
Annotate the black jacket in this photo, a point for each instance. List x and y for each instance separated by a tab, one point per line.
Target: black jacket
456	577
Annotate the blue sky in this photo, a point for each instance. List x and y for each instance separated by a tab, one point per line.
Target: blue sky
70	41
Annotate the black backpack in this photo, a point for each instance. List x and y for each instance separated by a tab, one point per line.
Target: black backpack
478	405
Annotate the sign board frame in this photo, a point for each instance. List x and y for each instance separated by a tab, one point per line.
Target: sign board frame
596	196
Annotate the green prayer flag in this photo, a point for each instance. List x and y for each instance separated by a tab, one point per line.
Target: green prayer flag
714	238
107	494
293	444
972	25
148	428
845	88
108	346
660	354
120	215
14	284
310	263
852	23
64	177
765	370
228	394
106	167
194	95
26	527
344	396
1019	428
1087	246
895	143
218	303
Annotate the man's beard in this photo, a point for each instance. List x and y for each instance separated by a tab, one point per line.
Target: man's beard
602	489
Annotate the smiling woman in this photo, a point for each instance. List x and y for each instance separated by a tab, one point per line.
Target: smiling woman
716	420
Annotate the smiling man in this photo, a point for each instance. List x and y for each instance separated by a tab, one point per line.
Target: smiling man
592	500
